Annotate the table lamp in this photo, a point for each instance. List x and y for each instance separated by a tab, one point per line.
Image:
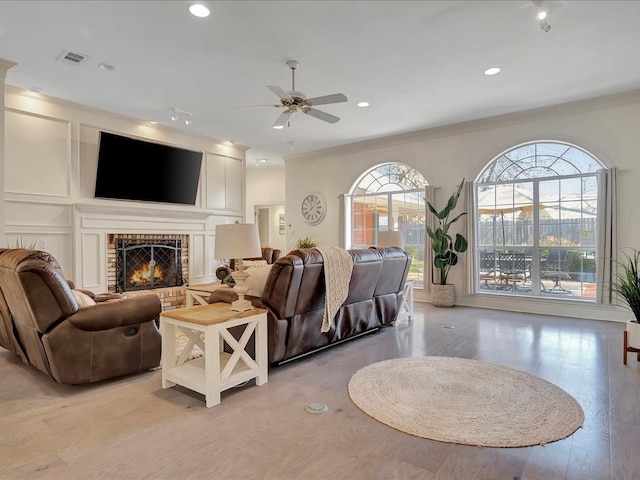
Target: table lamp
237	241
391	238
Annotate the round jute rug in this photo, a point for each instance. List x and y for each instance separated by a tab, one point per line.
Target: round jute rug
463	401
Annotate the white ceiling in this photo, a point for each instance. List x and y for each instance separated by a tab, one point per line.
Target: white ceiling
420	64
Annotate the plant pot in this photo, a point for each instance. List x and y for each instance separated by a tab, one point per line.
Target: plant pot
443	295
633	334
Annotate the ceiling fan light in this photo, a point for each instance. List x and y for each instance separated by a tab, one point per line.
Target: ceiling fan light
492	71
278	127
362	104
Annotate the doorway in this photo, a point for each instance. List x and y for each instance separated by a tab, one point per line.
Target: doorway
271	226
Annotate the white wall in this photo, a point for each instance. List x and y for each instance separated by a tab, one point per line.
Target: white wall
607	127
50	167
266	188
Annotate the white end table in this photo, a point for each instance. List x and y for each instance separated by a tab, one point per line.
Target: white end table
217	370
406	309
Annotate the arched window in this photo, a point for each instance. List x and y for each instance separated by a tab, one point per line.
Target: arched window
536	218
389	197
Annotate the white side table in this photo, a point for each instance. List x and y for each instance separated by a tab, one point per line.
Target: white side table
406	309
199	294
217	370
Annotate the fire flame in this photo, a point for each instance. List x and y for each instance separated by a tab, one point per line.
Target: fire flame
143	274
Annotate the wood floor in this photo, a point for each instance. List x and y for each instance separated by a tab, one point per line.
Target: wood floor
130	428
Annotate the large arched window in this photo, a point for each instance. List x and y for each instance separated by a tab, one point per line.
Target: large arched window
389	197
536	217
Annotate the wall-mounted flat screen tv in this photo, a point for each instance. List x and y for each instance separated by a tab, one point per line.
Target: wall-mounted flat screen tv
130	169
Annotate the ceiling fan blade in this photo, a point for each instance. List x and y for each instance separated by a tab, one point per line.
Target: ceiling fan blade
280	92
321	115
282	119
326	99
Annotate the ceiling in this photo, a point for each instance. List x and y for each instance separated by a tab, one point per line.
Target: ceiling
420	64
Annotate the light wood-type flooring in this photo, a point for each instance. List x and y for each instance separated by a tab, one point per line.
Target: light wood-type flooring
131	428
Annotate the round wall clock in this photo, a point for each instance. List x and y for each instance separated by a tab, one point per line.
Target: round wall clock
314	208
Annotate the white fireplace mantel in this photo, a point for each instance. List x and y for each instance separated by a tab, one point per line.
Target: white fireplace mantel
92	222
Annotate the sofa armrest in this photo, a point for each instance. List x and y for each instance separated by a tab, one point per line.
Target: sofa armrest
117	313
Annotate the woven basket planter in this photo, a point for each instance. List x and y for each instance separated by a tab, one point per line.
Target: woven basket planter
443	295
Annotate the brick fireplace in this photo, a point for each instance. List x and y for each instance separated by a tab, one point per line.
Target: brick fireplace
141	263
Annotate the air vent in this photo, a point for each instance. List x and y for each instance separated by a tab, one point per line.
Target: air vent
72	58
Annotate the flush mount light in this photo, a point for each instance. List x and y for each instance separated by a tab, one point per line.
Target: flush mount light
492	71
199	10
362	104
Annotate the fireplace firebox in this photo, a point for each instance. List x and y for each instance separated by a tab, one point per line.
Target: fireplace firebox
142	264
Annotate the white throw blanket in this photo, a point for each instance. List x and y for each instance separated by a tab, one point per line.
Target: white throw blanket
338	266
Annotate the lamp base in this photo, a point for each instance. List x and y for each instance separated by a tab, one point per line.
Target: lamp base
241	305
241	287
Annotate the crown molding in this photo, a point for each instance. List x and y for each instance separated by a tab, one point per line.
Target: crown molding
540	113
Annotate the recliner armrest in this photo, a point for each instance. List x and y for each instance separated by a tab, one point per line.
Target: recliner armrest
117	313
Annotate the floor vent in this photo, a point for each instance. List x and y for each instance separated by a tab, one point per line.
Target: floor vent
72	58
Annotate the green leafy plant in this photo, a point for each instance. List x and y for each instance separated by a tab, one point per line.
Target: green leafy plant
627	283
305	242
446	248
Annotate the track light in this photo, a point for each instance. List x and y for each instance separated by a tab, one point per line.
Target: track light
176	113
544	26
542	14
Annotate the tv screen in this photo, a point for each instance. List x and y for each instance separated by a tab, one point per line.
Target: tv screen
130	169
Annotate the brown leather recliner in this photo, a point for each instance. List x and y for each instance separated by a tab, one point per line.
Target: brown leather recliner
269	254
73	345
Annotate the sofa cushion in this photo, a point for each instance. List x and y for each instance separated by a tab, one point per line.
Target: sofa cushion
83	299
257	279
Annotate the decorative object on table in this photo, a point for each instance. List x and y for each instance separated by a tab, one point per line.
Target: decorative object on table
468	402
390	238
626	286
305	242
313	208
238	241
446	249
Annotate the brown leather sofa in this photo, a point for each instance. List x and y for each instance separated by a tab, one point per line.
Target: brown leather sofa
269	254
43	324
294	296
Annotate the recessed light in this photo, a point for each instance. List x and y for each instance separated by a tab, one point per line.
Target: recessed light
229	142
107	67
153	122
34	89
199	10
262	161
278	127
362	104
492	71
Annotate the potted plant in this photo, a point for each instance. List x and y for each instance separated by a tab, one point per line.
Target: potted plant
627	288
446	249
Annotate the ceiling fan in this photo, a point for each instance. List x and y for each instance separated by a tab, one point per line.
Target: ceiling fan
294	101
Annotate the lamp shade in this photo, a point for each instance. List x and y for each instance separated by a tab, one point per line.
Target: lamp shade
390	238
237	240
